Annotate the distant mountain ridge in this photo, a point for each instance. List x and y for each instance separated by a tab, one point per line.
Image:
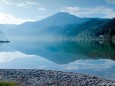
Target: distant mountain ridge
63	18
58	19
65	24
3	36
7	27
107	29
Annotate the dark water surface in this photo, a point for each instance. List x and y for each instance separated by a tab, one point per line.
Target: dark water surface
87	57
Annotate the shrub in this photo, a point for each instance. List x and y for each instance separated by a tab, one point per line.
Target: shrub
8	84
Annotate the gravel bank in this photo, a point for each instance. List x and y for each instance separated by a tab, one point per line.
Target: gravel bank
29	77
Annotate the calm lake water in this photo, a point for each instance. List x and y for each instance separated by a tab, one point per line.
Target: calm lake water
87	57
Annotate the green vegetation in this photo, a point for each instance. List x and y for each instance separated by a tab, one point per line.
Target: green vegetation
113	37
92	29
8	84
67	26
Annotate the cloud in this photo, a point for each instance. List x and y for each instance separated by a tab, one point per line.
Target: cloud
90	64
111	1
102	68
9	56
25	4
42	9
7	2
90	12
10	19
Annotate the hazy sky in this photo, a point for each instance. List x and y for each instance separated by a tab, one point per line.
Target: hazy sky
19	11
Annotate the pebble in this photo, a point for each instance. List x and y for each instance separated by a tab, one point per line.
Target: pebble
35	77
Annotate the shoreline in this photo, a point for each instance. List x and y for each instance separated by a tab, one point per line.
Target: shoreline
36	77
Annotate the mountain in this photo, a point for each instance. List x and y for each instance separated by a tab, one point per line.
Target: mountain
6	27
61	19
2	36
107	29
67	25
86	29
58	19
76	29
92	29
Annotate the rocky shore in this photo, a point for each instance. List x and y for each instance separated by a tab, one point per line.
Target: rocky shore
34	77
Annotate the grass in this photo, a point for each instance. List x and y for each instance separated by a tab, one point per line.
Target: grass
8	84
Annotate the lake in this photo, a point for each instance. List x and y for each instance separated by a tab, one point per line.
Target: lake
87	57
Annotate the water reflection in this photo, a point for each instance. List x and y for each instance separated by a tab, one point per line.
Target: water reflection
88	57
10	56
64	52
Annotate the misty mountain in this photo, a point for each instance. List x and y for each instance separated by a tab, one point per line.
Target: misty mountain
106	29
2	36
67	25
86	28
61	19
76	29
6	27
58	19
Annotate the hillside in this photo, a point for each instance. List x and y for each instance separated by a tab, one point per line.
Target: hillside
67	25
2	36
7	27
74	30
59	19
107	29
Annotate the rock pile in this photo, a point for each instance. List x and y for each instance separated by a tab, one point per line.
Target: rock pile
34	77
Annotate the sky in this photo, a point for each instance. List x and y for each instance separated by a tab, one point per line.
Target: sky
19	11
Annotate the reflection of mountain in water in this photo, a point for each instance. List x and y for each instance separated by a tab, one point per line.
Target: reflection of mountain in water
66	52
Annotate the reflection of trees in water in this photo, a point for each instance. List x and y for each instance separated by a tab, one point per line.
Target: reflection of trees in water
91	49
106	45
63	52
113	41
95	49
